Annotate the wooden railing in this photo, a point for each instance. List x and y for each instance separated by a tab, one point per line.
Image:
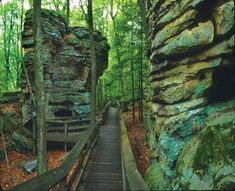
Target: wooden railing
132	179
56	179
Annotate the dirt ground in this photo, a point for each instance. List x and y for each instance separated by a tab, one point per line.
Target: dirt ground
138	143
15	174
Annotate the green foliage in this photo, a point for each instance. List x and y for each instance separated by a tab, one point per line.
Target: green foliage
127	23
11	15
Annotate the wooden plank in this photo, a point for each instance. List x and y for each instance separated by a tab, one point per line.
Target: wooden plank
104	168
71	128
101	176
69	121
107	186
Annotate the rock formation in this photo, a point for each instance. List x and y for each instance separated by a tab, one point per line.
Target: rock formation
66	65
192	74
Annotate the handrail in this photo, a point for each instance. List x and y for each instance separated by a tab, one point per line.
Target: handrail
49	179
57	176
134	180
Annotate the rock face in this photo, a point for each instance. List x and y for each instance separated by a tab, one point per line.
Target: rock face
66	65
192	74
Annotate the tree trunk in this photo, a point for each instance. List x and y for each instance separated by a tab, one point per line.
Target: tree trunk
142	5
141	73
93	62
118	55
7	40
68	11
132	74
39	88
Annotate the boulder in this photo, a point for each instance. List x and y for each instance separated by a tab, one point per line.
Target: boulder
191	62
21	142
174	28
211	158
187	41
175	109
67	65
176	9
224	17
181	89
150	178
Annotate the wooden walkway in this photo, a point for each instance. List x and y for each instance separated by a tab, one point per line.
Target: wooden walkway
104	167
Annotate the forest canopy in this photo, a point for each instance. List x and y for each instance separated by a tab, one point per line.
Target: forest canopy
120	21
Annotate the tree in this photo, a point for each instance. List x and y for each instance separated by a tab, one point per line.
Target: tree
132	74
113	16
39	88
143	10
68	11
93	61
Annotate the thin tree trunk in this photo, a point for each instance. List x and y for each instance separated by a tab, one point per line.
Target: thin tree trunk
143	11
68	11
118	56
93	61
4	143
139	84
132	75
116	36
20	49
7	46
141	73
39	88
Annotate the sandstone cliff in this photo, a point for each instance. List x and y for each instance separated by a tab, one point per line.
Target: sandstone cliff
192	74
66	65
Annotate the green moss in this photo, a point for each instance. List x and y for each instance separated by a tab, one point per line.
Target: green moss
155	179
73	41
216	145
203	151
184	186
8	122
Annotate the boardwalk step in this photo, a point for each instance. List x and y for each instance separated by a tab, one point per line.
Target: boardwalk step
109	186
104	167
101	177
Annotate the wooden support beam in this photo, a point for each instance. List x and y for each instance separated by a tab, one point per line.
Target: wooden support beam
34	137
65	136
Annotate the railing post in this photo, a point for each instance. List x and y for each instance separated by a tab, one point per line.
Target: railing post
34	137
65	136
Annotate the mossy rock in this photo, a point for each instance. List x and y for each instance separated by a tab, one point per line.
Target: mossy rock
10	96
217	143
21	142
155	179
205	155
9	123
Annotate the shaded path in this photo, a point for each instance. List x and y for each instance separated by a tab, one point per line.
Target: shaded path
104	167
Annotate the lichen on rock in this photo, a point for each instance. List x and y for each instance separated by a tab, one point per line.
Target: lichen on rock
192	77
67	65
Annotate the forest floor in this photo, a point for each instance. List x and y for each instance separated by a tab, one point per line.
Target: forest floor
137	139
15	174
